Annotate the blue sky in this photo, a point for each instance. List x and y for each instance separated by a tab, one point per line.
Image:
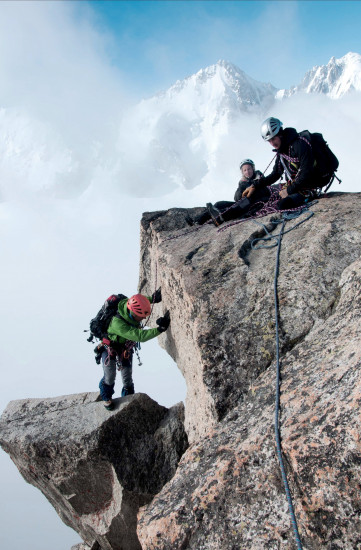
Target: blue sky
157	42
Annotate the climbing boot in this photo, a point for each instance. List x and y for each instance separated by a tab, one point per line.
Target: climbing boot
128	390
201	218
109	405
215	214
106	390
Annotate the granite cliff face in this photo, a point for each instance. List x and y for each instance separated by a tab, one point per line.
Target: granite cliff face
223	492
227	492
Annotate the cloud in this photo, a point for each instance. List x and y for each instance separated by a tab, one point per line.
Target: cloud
54	64
61	100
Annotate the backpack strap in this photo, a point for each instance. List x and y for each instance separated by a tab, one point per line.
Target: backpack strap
306	141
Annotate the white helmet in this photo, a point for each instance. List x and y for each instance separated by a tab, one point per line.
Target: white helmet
270	128
247	161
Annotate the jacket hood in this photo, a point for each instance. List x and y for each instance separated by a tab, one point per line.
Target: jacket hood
124	313
289	135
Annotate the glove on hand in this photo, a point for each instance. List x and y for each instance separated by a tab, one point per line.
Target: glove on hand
163	322
248	192
157	296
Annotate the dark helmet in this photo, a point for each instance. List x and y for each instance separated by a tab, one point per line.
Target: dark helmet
270	128
139	305
247	161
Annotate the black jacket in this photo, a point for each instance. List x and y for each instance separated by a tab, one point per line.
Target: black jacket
246	182
295	159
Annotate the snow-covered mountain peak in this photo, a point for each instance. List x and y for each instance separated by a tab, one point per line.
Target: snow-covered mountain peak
335	79
225	85
349	58
223	70
181	129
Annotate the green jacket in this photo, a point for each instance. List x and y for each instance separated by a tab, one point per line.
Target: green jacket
126	328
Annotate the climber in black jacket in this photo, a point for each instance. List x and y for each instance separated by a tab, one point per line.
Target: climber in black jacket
295	159
223	211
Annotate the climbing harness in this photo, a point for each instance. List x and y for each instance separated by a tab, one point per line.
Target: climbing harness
285	167
117	353
286	216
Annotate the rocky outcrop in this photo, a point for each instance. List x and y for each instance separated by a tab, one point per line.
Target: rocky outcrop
95	467
127	480
84	546
220	294
227	492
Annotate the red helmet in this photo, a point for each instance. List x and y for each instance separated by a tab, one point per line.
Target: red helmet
140	305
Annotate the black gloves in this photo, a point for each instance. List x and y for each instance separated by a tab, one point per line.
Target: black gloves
163	322
157	296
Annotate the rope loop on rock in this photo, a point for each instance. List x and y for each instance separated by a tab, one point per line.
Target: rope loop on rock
286	216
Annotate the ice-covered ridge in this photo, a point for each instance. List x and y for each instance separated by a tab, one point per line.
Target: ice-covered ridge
337	78
223	86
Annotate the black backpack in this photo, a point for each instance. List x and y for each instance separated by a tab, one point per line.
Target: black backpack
326	161
99	325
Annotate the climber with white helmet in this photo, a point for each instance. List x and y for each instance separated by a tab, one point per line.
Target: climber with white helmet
296	156
249	175
123	334
226	210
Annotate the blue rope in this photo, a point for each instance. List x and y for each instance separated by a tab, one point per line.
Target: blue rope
278	238
278	393
285	217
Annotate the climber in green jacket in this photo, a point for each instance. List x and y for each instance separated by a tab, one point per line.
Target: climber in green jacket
125	332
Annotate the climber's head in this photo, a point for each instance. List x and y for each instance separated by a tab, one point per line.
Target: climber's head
247	168
139	306
271	131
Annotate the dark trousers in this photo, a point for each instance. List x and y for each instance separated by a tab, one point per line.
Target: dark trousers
292	201
297	199
106	384
234	210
